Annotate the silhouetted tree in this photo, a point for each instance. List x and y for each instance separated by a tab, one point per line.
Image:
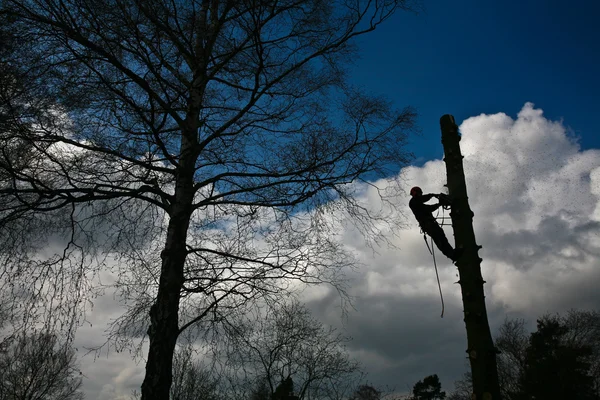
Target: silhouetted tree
584	330
553	369
512	342
562	355
284	342
285	390
200	144
366	392
459	395
429	388
191	379
38	367
463	388
260	390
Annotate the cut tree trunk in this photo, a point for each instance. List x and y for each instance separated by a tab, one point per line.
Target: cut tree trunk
480	346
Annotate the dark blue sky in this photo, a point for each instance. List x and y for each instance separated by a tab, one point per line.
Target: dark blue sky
466	57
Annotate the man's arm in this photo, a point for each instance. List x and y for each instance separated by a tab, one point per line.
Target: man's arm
432	207
426	197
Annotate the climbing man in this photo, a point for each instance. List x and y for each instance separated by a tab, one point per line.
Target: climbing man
423	213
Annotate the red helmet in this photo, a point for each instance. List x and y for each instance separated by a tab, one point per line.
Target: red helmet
416	191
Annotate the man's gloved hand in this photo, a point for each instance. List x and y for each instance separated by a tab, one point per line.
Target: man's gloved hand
444	199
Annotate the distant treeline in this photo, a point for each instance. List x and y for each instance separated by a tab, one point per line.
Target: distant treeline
560	360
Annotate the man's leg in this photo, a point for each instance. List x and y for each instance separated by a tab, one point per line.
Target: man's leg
439	237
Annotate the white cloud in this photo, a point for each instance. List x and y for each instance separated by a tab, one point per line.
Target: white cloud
535	197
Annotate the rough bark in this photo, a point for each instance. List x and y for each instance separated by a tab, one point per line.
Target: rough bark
164	326
164	321
481	350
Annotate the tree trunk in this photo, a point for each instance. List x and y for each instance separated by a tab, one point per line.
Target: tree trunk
481	350
164	313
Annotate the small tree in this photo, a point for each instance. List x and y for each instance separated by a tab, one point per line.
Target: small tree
512	342
429	388
366	392
562	355
463	388
284	343
553	369
38	367
191	379
260	390
285	390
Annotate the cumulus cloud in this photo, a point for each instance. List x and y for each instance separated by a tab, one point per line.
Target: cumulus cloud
536	198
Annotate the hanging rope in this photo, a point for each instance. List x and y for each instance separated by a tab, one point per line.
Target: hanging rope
431	251
443	218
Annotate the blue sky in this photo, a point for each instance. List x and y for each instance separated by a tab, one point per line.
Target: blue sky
468	57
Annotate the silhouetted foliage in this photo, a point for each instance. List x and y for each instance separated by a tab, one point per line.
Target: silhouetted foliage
559	360
554	368
38	367
285	390
429	388
260	390
208	146
366	392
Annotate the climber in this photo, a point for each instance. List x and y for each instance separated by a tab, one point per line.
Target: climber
423	213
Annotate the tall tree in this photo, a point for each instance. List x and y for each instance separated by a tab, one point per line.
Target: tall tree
196	148
38	367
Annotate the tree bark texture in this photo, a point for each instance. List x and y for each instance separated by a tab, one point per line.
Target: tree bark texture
481	350
164	321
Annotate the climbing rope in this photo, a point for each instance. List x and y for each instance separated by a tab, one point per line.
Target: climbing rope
444	207
431	251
